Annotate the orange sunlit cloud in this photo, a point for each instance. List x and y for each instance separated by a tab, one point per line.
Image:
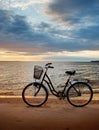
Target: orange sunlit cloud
18	56
23	56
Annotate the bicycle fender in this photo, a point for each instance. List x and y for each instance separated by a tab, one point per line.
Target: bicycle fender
80	81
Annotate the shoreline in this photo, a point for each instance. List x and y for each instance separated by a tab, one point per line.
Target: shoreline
12	94
18	99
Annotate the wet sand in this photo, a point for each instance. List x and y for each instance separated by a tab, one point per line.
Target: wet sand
54	115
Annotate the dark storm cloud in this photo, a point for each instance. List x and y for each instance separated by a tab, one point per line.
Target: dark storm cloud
73	10
15	29
83	15
12	26
12	23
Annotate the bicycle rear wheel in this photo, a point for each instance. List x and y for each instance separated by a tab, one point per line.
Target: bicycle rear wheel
79	94
35	94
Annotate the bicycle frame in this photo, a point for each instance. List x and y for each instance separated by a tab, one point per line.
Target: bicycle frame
50	85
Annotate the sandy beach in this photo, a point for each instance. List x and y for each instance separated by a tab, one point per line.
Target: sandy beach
54	115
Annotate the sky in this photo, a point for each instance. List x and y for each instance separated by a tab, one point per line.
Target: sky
49	30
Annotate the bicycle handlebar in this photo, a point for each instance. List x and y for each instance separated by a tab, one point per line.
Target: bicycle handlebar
48	64
50	67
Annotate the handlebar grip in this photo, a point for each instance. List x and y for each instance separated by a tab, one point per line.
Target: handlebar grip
48	64
51	67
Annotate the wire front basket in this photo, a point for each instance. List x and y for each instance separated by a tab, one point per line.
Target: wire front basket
38	71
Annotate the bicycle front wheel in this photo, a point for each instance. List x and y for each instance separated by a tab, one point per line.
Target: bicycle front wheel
35	94
79	94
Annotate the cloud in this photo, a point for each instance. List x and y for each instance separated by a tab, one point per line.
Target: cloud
15	27
91	33
85	55
72	11
82	17
12	24
20	4
16	34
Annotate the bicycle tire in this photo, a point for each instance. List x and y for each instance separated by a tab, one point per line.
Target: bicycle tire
79	94
29	97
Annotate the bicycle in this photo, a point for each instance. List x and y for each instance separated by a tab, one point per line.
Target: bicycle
35	94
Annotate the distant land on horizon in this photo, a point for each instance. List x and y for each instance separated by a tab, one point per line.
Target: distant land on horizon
95	61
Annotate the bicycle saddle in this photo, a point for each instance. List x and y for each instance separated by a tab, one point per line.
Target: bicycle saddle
70	72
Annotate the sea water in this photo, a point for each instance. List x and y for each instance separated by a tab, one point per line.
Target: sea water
14	76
